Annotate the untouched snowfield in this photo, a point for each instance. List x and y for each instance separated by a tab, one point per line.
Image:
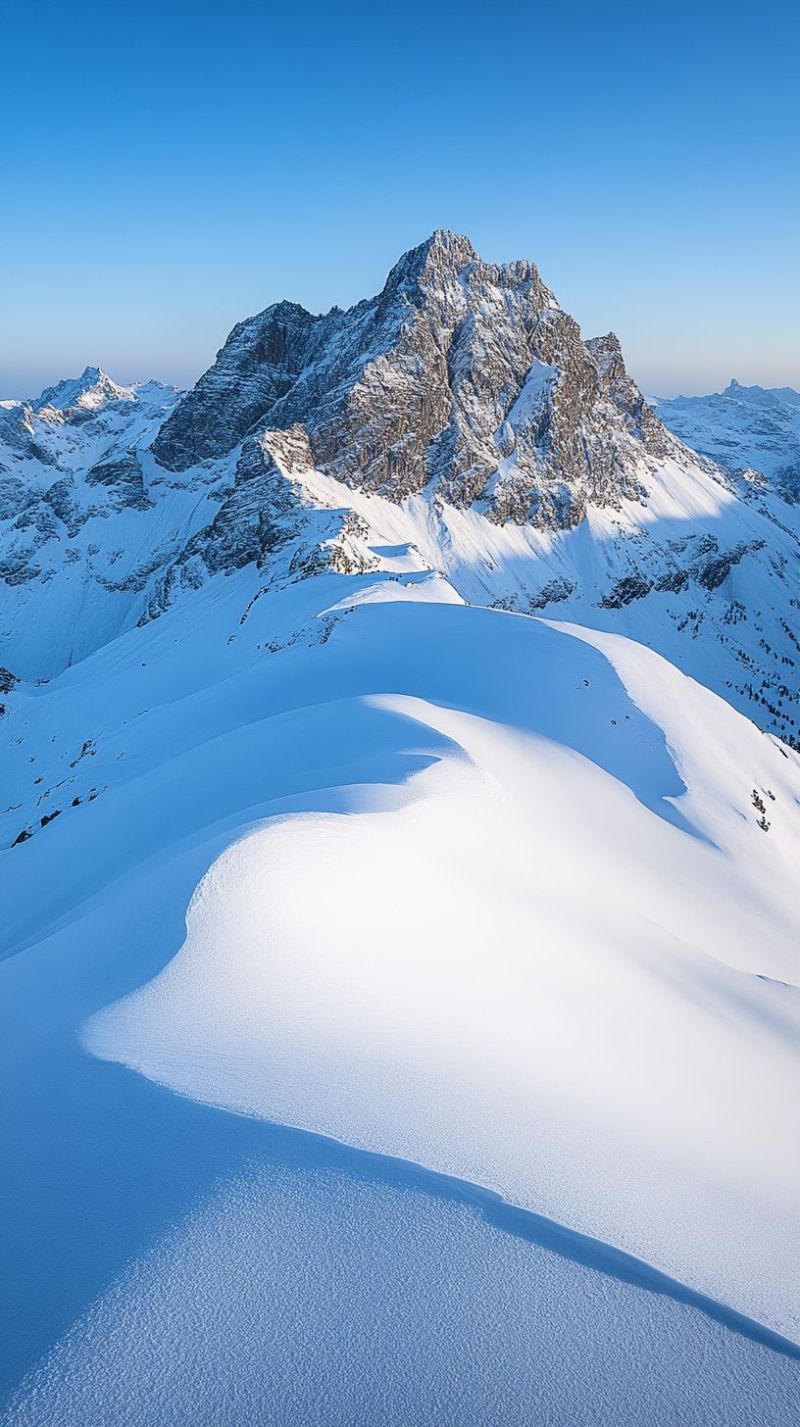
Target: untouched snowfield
479	903
257	1308
503	954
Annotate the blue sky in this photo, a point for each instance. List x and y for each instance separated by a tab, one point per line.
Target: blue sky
172	168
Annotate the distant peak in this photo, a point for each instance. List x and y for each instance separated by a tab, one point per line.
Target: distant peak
94	388
762	395
738	389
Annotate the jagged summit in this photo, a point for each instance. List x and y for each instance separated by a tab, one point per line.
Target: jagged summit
443	253
444	244
458	417
461	374
92	389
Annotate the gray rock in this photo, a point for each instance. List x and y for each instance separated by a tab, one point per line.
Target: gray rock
124	479
460	374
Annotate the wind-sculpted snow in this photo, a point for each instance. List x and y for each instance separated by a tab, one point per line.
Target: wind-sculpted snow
543	845
256	1307
523	998
460	888
347	787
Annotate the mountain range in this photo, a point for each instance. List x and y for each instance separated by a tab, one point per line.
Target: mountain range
400	738
750	430
527	470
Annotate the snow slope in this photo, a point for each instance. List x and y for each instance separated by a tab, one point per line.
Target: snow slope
497	945
743	428
86	518
257	1306
503	954
392	874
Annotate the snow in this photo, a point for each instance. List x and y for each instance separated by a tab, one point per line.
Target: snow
90	391
83	585
325	1294
523	996
464	890
743	427
387	872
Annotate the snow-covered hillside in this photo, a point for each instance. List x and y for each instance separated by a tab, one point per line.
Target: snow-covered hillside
432	856
86	517
745	428
410	802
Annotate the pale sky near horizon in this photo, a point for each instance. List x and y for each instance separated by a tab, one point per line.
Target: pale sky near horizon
173	168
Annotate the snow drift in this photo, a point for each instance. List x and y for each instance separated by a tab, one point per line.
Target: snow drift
560	964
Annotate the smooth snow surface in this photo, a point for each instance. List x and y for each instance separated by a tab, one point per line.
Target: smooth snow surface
556	968
461	887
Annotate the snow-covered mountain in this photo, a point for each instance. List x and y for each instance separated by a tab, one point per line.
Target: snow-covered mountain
398	748
86	517
461	407
91	391
747	429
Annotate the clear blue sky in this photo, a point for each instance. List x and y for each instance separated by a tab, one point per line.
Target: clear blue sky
171	168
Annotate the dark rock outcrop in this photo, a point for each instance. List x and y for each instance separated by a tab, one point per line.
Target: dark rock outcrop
461	373
124	479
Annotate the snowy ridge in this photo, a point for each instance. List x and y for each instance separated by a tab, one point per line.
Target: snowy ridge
547	782
397	743
748	429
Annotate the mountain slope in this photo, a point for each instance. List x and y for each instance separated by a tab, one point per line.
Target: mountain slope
365	771
490	939
524	464
744	428
86	519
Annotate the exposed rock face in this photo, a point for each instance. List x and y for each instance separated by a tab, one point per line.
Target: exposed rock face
448	435
18	433
262	517
257	366
460	373
623	393
123	478
261	513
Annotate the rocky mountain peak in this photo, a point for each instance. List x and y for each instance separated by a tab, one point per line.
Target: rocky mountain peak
607	352
467	400
438	260
460	374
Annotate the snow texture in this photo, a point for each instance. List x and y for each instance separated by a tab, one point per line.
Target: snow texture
398	764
